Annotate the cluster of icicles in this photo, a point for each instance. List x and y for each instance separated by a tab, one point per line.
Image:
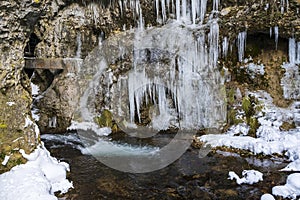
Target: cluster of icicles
190	93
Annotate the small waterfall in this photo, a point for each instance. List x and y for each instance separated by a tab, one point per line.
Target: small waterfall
241	43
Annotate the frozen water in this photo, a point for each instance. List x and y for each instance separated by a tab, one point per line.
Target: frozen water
188	11
241	43
276	33
225	47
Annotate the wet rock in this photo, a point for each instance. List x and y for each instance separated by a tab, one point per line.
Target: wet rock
58	103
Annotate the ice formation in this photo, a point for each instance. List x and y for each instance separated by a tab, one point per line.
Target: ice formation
189	11
291	79
276	33
79	44
241	43
174	70
190	81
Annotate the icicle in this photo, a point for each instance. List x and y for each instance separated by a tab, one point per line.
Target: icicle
140	15
52	122
282	6
225	47
215	5
270	32
79	44
157	9
194	11
177	9
298	53
121	7
184	9
163	8
214	43
292	50
241	45
276	33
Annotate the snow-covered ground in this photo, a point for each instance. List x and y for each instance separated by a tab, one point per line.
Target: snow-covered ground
38	179
270	140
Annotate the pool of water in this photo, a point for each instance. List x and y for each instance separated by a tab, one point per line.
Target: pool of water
189	177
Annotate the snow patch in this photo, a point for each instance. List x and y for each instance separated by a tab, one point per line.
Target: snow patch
10	103
90	126
34	89
6	158
291	189
41	170
267	197
249	177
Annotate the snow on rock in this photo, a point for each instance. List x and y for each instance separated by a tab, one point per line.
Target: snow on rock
249	177
10	103
267	197
291	189
38	179
293	166
85	126
6	158
270	139
34	89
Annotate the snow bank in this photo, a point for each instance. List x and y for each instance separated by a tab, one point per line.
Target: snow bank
291	189
249	177
267	197
38	179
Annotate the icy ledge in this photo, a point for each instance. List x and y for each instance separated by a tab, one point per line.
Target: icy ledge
38	179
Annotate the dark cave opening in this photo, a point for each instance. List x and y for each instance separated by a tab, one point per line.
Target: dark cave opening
31	44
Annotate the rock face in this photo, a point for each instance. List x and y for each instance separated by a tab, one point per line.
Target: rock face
17	19
74	29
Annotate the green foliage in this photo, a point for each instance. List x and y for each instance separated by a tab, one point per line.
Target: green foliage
230	96
231	117
2	126
254	124
105	120
246	105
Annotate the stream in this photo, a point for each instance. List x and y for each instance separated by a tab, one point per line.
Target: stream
189	177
